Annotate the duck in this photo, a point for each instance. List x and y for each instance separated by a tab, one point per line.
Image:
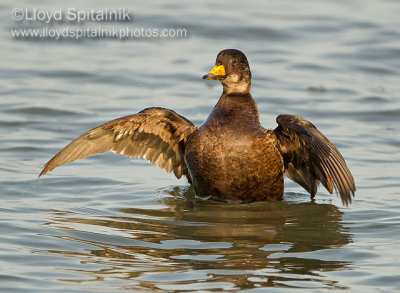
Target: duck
231	156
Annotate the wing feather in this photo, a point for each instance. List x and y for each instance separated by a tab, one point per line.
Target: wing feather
156	134
311	158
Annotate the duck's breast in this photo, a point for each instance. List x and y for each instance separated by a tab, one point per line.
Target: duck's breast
235	162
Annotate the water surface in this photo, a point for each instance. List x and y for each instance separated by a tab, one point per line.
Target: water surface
112	224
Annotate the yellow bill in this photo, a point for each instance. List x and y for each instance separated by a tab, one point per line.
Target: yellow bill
217	73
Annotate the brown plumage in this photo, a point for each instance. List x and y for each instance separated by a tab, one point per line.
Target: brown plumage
156	134
231	156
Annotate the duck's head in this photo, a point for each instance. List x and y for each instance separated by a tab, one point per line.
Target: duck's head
233	70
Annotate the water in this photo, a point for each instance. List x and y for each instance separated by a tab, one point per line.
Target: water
112	224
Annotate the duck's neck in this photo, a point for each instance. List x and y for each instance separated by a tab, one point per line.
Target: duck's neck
237	87
238	106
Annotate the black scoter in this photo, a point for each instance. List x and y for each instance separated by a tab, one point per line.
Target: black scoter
230	156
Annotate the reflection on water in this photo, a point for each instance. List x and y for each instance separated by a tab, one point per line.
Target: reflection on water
200	244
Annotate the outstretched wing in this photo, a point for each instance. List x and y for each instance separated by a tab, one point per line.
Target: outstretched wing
310	158
156	134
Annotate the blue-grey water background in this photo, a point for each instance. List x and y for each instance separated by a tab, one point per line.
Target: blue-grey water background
112	224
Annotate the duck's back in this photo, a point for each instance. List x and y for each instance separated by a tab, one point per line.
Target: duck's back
231	156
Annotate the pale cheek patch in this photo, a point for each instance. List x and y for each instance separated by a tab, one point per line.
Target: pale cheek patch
234	77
